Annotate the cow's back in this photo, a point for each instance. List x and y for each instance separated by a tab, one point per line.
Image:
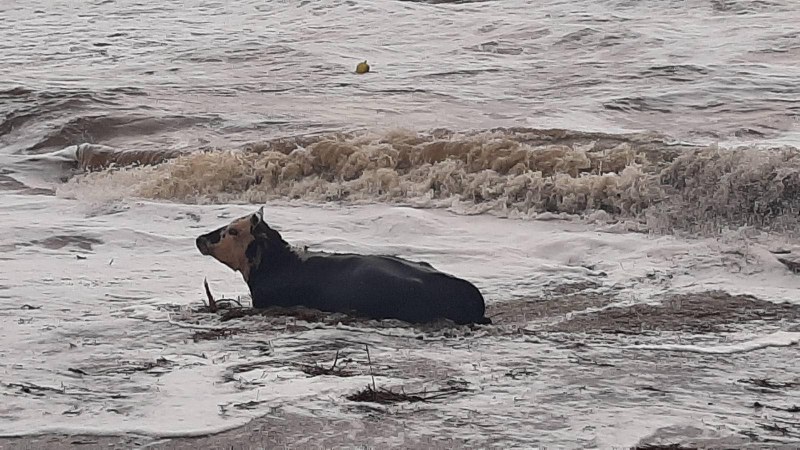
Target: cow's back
388	286
376	286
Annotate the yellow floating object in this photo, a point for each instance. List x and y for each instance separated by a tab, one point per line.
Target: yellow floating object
362	67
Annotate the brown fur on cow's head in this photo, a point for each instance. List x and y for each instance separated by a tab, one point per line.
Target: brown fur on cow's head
242	244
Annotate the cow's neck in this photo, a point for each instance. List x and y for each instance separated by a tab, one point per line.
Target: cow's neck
269	255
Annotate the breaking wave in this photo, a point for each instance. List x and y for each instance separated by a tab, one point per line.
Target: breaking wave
644	180
102	127
91	157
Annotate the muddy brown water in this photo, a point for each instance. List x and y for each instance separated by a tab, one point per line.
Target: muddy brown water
757	391
97	84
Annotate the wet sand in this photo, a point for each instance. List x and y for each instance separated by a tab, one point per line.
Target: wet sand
755	392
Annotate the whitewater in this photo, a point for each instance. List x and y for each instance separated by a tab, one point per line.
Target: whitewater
619	179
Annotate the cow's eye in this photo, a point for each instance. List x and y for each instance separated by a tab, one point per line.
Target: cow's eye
233	232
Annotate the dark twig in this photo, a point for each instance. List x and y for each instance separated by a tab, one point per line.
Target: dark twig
791	409
774	427
373	394
335	360
253	404
35	389
387	396
369	361
229	302
769	384
663	447
238	313
317	370
214	333
212	304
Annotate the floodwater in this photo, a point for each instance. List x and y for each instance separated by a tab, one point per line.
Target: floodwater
619	178
194	73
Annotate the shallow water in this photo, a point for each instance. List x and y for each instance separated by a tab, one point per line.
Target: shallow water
443	153
98	324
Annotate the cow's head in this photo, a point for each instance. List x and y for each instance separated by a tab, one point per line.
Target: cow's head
243	244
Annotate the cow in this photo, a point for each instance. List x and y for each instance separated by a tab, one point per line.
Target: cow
371	286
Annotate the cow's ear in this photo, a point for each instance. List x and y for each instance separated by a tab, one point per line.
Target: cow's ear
257	225
257	217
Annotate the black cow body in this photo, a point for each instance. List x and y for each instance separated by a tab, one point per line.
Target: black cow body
374	286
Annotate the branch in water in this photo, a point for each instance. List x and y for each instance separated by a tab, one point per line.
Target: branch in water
212	304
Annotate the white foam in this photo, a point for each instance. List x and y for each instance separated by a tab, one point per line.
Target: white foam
647	184
66	154
778	339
